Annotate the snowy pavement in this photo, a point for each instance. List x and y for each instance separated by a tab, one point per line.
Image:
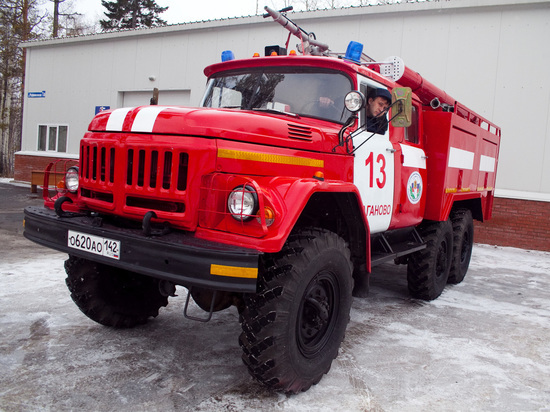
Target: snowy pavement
483	345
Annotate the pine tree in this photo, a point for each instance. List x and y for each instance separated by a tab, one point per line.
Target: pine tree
131	14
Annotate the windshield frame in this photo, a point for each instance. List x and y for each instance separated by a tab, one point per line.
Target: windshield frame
282	89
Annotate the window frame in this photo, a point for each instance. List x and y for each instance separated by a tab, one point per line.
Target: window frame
415	125
48	137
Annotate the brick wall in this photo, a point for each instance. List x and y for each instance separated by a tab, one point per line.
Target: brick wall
518	223
25	164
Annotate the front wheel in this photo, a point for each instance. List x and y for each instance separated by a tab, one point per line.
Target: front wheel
113	297
294	325
428	269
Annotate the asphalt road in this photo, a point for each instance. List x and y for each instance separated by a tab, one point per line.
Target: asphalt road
483	345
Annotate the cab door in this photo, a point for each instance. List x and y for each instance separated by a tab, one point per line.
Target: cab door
374	172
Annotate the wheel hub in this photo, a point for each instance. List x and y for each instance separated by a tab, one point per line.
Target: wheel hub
317	312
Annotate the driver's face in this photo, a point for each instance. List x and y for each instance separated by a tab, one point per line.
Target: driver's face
377	106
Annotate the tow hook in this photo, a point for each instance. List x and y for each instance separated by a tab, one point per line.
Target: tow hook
147	226
58	205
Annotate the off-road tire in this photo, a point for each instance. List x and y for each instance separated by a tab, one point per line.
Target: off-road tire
463	241
110	296
294	325
428	269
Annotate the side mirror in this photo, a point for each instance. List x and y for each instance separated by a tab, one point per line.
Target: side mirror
401	107
354	101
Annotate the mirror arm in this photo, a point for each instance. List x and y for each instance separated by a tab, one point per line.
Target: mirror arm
348	124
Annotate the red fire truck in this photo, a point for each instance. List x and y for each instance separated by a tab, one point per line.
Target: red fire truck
277	196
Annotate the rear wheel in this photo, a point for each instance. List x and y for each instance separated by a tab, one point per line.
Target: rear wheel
113	297
294	325
428	269
463	241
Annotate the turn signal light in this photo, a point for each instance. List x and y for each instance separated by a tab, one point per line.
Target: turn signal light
319	175
269	215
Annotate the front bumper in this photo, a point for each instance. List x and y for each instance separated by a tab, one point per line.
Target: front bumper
178	256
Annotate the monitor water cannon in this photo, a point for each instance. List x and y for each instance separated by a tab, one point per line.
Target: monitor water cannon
309	44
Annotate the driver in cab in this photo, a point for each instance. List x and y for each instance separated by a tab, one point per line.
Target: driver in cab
378	103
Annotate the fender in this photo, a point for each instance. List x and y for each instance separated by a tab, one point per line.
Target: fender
289	196
472	201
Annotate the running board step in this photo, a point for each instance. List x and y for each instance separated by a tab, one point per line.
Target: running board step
390	246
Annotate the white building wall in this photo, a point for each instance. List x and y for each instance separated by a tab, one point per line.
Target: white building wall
489	55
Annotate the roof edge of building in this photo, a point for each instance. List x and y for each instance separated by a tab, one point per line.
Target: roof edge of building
415	5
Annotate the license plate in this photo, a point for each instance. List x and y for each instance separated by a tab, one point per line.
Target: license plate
94	244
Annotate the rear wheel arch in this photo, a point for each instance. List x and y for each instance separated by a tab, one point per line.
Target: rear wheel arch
473	205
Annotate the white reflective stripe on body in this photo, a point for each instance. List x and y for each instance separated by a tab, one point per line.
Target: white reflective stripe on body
413	157
486	164
461	159
146	118
116	119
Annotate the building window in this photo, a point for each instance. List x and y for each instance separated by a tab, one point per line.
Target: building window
52	137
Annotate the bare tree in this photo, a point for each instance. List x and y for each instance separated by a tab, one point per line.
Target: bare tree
19	22
67	22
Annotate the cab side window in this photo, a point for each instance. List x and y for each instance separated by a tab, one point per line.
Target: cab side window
411	132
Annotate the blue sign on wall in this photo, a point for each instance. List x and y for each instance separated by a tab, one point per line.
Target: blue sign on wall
36	95
101	108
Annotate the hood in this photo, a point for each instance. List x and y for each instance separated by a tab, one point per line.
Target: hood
249	126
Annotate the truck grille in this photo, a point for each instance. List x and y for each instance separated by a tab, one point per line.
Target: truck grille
98	163
148	180
156	168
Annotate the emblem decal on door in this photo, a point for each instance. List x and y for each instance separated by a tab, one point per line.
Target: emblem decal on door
414	188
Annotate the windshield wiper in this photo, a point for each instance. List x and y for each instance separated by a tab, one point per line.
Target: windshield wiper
274	111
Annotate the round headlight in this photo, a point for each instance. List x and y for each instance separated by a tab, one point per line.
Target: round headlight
243	203
354	101
71	179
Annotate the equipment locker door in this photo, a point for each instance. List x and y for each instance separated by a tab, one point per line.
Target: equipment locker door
412	177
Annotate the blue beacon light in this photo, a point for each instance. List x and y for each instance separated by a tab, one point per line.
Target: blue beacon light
227	55
354	51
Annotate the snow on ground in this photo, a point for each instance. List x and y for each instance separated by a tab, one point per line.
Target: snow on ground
483	345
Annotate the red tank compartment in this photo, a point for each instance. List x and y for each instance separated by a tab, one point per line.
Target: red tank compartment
462	160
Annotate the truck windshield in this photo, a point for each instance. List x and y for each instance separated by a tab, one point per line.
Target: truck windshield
302	92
